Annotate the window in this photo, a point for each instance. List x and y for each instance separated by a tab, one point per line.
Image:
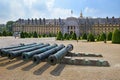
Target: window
68	27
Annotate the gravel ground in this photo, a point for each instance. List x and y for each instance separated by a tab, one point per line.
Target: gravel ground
16	69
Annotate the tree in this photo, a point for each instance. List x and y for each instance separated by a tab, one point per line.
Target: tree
10	33
109	36
90	37
65	35
0	34
22	35
35	35
44	35
79	37
70	35
25	34
102	37
30	35
50	35
53	35
4	33
74	36
59	36
116	36
9	25
98	37
84	36
39	35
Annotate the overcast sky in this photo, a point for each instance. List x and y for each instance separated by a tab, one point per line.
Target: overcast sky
15	9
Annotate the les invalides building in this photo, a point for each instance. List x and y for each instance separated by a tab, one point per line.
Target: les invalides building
78	25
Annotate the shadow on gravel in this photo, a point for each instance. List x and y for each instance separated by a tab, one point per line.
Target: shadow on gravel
57	71
28	67
41	69
3	59
8	62
17	65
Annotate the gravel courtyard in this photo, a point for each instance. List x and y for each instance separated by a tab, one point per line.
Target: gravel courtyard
16	69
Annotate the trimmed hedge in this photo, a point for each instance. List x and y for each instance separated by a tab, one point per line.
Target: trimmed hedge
102	37
84	36
35	35
98	37
74	36
90	37
109	36
116	36
59	36
65	35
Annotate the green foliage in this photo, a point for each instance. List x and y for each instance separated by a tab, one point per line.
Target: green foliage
53	35
90	37
28	35
66	35
98	37
50	35
0	34
10	33
9	25
109	36
79	37
74	36
102	37
35	35
39	36
116	36
44	35
4	33
10	22
59	36
84	36
70	35
22	35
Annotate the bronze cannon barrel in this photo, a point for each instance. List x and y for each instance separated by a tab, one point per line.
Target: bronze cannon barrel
13	54
57	57
28	55
38	58
4	51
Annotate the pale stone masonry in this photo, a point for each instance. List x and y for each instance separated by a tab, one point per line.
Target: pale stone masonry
78	25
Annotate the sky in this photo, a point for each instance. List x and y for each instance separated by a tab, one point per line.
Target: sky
15	9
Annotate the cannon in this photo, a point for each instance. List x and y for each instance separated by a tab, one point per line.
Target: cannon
5	51
28	55
57	57
15	46
13	54
10	47
39	57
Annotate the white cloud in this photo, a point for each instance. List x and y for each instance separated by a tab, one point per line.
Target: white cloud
50	4
29	3
33	9
60	12
90	10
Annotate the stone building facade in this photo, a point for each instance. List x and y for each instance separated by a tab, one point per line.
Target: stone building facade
78	25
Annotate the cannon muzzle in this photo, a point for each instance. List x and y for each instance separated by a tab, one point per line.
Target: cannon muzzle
56	58
38	58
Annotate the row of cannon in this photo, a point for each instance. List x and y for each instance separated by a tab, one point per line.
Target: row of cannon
37	52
